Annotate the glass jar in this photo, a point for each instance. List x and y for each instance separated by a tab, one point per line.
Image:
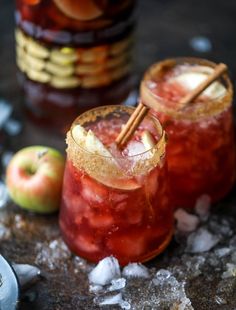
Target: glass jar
201	146
73	55
116	204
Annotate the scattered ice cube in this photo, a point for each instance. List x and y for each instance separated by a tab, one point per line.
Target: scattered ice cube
230	271
12	127
222	252
117	284
201	44
201	241
52	254
135	270
112	300
171	293
6	157
105	271
194	265
186	222
5	112
3	195
202	207
95	288
161	276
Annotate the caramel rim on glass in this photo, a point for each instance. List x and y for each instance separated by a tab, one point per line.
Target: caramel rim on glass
197	109
103	111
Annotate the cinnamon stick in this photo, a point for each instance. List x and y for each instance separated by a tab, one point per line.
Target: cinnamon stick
132	124
218	71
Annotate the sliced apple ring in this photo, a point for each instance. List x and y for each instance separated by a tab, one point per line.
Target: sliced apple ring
79	9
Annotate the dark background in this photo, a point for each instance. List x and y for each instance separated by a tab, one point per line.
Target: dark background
165	28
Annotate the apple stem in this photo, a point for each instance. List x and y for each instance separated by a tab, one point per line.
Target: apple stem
40	154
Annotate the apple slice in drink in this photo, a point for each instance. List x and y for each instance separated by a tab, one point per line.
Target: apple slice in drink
192	79
90	142
147	140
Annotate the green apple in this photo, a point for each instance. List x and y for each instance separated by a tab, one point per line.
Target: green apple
34	178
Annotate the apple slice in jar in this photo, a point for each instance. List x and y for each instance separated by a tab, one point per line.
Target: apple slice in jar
83	10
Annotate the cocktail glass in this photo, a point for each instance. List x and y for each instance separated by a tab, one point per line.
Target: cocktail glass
116	205
201	146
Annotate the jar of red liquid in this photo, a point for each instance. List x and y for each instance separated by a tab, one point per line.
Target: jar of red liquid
115	203
201	149
73	55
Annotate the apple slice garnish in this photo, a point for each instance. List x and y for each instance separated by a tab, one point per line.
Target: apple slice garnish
191	80
83	10
147	140
90	142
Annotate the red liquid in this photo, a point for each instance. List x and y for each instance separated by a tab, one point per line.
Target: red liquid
200	153
97	220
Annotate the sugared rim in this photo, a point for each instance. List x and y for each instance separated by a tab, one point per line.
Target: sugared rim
193	111
103	111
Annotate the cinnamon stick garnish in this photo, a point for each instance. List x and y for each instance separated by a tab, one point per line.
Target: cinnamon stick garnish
218	71
141	111
132	124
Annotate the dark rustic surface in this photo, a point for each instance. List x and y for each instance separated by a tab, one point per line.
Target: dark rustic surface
165	29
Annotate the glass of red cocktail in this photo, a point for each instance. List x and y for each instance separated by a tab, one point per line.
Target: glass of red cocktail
201	148
115	202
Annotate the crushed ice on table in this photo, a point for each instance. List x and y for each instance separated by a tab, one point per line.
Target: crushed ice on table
12	127
170	292
135	270
5	112
117	284
186	222
3	195
112	300
230	271
201	240
105	271
53	254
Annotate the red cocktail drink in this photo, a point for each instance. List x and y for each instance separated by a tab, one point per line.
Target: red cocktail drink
201	149
115	203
